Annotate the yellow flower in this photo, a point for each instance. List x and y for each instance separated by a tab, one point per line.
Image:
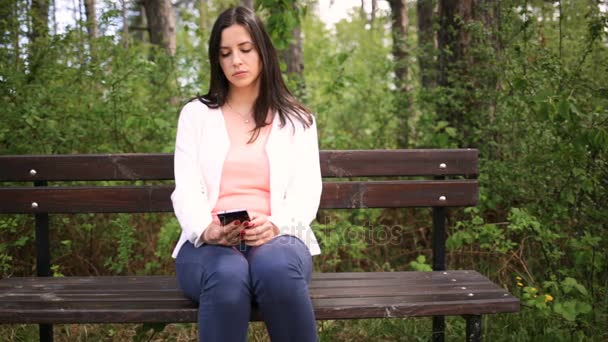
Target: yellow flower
533	289
548	298
520	284
518	278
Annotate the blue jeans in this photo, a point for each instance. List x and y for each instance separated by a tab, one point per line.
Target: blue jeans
226	281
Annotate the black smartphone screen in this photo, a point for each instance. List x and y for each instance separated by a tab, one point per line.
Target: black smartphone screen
230	215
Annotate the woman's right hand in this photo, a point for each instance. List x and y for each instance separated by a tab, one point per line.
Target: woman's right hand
228	235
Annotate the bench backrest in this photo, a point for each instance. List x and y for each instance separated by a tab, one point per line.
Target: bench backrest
449	180
393	192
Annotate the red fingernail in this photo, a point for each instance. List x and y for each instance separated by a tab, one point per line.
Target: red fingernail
237	222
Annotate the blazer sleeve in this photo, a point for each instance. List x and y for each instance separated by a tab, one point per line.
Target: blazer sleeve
303	192
189	198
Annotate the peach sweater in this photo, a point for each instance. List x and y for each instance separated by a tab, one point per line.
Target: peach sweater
245	180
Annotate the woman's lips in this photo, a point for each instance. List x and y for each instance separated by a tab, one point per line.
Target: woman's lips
239	73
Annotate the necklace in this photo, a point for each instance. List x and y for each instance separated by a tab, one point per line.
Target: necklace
244	116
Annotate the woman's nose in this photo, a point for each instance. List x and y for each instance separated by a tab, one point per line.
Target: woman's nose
236	60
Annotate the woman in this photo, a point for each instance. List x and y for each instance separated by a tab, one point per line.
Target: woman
247	144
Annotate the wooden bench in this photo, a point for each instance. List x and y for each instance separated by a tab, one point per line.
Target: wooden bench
47	300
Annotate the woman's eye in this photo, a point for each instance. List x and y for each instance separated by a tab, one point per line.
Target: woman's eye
225	54
246	51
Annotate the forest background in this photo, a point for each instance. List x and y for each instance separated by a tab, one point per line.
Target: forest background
523	81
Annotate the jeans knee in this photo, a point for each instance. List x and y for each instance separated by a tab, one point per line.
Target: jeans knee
228	284
277	274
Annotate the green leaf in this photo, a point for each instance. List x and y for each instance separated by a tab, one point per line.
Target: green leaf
571	309
570	283
563	109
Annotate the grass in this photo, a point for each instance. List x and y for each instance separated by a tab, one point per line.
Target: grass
522	326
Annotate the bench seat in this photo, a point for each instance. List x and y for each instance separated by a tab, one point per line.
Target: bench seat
344	295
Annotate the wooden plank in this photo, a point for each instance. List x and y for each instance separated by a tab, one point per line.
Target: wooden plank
418	162
399	309
158	166
115	299
320	282
130	295
70	200
156	198
79	167
163	281
59	303
399	194
320	286
100	295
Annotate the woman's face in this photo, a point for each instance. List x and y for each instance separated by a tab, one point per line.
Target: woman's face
239	58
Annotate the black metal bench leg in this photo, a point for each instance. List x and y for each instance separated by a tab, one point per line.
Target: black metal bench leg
439	218
438	328
43	260
473	328
46	332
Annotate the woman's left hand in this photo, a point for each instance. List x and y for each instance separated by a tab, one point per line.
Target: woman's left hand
259	231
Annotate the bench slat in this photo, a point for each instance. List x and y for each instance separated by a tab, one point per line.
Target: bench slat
417	292
170	282
114	299
321	281
158	166
156	198
419	162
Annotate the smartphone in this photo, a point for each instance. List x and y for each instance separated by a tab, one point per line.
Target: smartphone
230	215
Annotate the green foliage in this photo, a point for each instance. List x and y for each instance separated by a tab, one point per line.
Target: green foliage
167	236
119	263
420	264
343	242
8	227
348	84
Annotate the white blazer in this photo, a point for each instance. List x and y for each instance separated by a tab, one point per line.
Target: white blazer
201	147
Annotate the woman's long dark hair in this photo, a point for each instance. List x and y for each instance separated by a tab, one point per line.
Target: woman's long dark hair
274	95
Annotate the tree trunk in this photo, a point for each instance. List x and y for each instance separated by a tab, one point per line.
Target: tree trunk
400	24
40	20
374	10
488	13
141	25
8	14
38	35
247	3
125	24
161	24
362	13
9	26
295	64
426	42
287	36
293	56
89	10
454	41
